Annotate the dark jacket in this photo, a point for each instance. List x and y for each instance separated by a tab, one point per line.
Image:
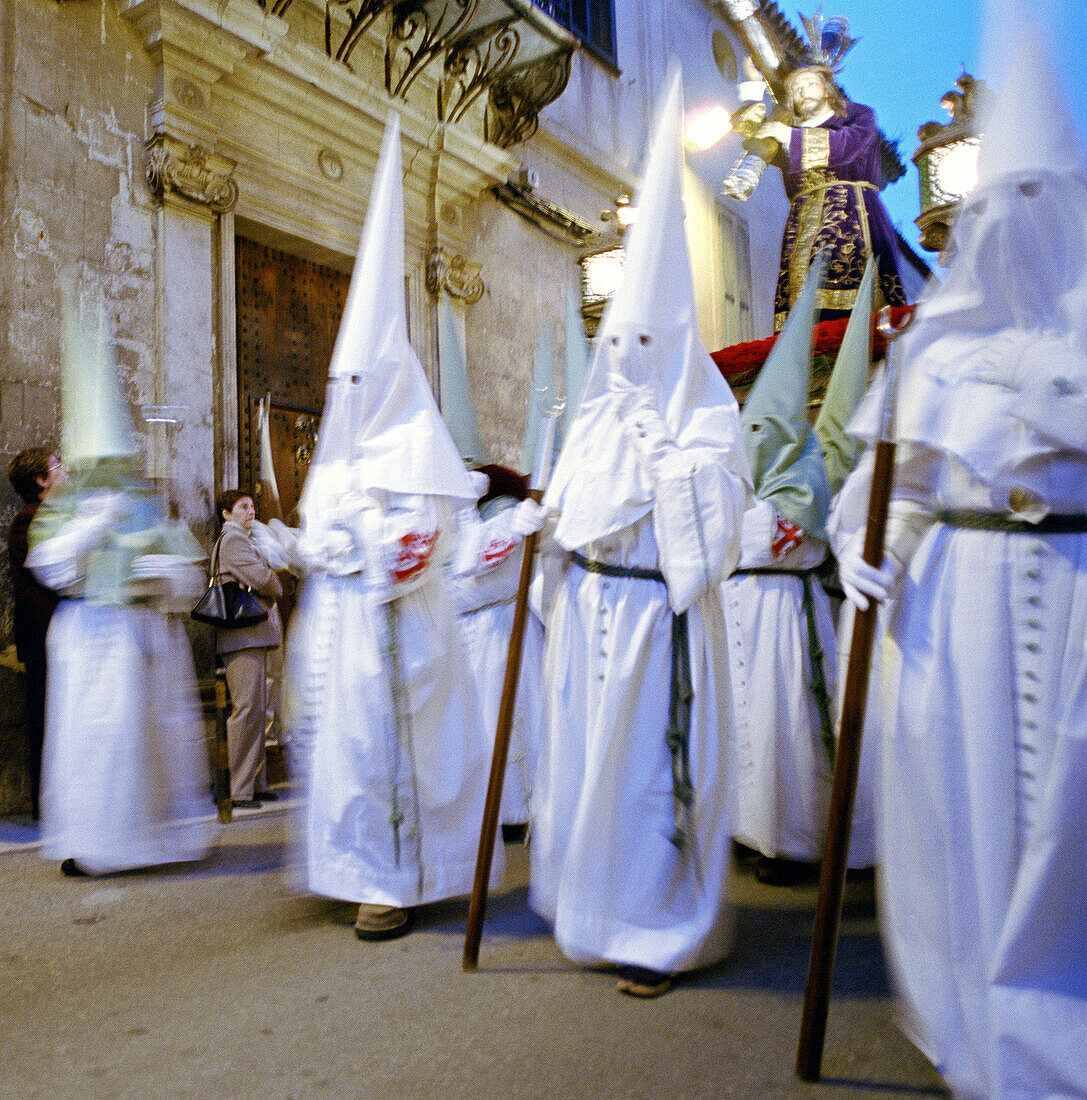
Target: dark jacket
34	603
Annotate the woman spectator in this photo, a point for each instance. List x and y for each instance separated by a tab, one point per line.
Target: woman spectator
240	556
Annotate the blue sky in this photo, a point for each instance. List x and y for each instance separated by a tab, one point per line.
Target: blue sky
910	54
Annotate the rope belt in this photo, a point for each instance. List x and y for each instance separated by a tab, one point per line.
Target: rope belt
858	187
815	650
678	734
996	521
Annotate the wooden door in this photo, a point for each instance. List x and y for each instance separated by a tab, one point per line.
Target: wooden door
288	313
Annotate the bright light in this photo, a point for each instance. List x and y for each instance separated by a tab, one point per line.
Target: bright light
708	127
952	171
626	214
602	274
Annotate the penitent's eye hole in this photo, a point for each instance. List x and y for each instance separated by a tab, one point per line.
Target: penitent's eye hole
1030	188
615	341
645	340
977	207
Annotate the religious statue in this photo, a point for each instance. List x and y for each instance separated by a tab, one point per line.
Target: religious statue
828	150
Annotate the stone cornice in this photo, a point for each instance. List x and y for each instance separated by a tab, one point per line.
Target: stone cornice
302	128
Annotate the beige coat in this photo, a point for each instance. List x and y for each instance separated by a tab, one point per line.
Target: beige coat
240	560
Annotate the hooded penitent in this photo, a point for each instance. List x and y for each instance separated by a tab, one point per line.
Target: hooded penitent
848	381
983	759
103	452
381	428
1019	276
786	461
599	485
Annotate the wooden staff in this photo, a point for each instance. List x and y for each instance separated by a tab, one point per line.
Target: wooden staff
828	913
222	752
478	905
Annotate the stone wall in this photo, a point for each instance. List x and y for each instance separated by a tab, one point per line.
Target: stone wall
74	88
526	274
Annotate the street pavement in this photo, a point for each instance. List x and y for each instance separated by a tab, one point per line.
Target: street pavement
219	980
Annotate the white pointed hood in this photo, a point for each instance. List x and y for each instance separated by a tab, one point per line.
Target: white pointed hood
577	365
541	397
270	506
848	382
599	485
96	421
381	428
457	410
1027	126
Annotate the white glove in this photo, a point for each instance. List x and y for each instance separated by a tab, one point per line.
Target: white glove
317	552
861	581
528	517
268	545
95	517
287	538
58	561
480	482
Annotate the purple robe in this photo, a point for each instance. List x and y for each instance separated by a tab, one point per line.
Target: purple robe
832	177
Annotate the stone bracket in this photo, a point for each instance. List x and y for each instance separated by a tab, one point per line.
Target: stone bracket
191	171
517	97
455	275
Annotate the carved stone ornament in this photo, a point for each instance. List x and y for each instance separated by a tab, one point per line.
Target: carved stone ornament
174	167
330	164
453	274
516	98
188	94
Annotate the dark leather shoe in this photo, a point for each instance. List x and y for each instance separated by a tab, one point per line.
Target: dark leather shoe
784	872
72	869
246	803
266	796
639	981
382	922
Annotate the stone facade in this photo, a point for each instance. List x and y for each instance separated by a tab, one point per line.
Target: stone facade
139	136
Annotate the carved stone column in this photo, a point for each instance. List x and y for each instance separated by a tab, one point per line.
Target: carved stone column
194	190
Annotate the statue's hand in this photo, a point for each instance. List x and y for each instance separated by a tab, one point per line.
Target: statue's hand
775	131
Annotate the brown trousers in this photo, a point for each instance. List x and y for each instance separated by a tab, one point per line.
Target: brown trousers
248	688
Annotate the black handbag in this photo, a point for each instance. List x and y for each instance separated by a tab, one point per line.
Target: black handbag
227	604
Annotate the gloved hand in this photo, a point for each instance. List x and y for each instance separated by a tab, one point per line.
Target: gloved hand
528	517
317	552
268	545
861	581
480	482
96	515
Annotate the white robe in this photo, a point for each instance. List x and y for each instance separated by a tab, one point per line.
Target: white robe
361	768
604	868
124	766
484	588
781	769
983	817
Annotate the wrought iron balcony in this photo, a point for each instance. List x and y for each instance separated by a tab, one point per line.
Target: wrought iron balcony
509	49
